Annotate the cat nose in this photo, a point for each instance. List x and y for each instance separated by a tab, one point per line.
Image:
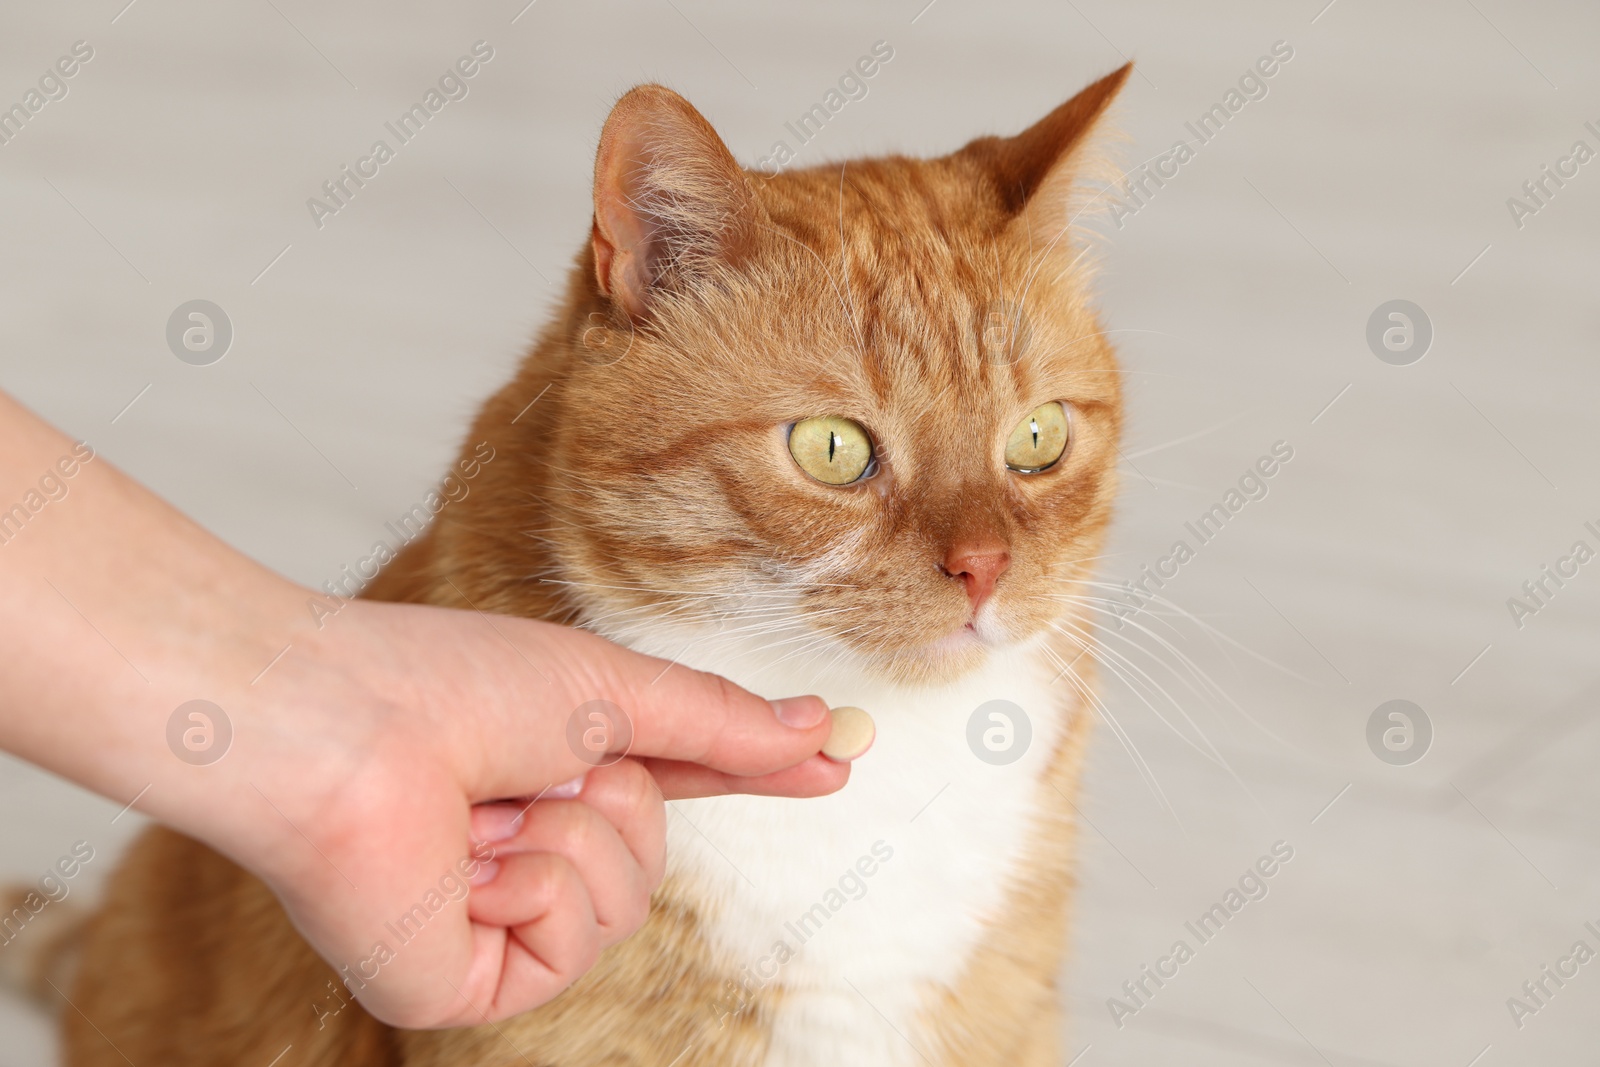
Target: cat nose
979	566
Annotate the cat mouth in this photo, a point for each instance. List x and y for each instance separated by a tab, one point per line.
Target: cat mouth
982	630
963	639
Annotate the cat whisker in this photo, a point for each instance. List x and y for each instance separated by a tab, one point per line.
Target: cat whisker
1209	688
1140	683
1216	635
1086	692
1184	439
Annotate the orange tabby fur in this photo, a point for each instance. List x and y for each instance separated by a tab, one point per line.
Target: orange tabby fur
712	307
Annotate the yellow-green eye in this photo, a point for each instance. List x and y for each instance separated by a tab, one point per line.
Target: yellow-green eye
1039	440
832	450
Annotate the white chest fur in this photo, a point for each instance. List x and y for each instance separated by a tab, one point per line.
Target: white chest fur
855	905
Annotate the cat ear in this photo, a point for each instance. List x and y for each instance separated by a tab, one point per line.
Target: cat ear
669	200
1037	172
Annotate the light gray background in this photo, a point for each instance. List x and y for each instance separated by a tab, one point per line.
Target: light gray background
1379	566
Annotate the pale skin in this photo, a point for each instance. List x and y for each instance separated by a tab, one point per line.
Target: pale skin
375	754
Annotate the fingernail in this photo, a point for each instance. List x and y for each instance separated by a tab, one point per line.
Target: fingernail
497	822
485	873
802	713
565	791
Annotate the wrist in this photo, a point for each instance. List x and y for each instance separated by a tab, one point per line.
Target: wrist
117	611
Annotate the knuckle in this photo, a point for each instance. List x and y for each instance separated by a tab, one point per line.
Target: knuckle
726	698
575	834
543	882
562	899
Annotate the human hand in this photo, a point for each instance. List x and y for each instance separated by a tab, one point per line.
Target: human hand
412	715
361	743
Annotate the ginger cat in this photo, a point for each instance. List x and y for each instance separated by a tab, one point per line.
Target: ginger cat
848	430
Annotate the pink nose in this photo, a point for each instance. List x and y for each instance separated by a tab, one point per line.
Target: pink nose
979	567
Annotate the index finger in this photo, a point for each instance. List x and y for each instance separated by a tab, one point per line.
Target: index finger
817	776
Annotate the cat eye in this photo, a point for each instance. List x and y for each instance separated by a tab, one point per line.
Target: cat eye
1039	440
832	450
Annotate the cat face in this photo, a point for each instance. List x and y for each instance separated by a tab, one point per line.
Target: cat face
860	410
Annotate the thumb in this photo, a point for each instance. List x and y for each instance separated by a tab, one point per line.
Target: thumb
614	702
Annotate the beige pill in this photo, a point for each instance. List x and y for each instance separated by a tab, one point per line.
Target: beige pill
852	734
